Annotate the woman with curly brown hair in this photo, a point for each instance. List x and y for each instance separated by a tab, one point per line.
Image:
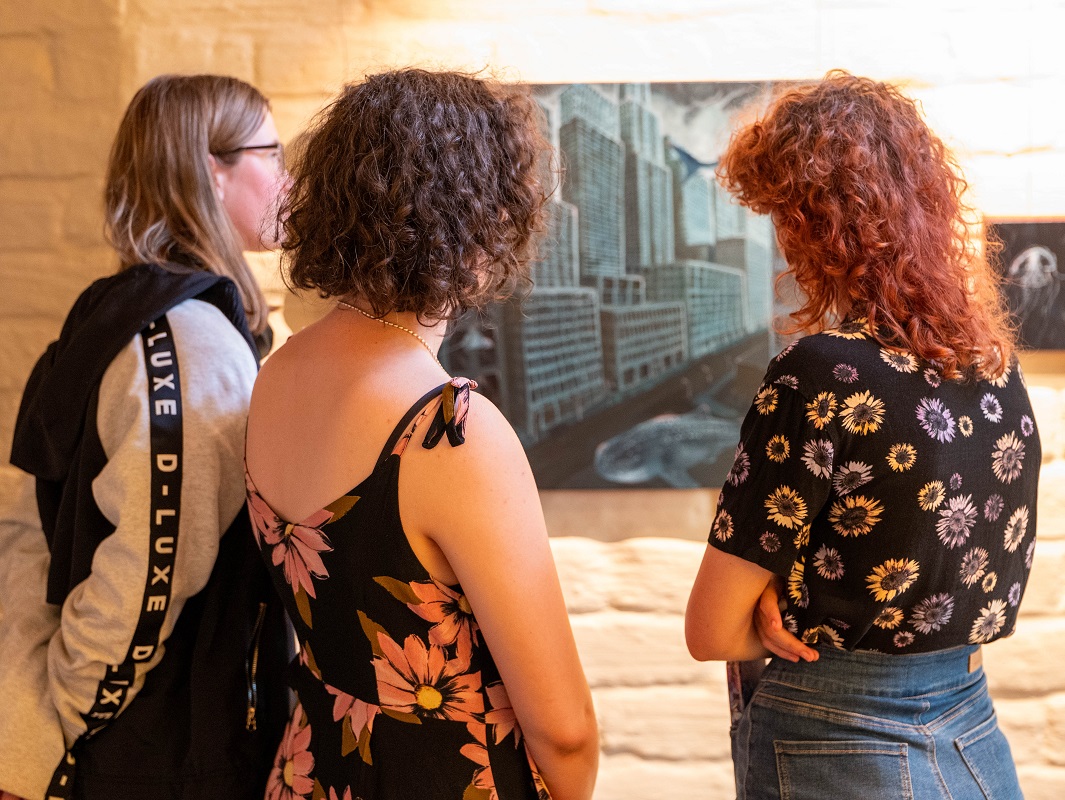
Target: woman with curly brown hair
436	658
878	523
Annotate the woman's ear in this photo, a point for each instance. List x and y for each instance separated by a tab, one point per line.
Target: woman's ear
218	176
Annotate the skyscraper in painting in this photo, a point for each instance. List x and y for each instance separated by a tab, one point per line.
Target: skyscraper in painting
646	266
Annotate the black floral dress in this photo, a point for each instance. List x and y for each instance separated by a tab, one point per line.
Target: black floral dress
398	695
900	507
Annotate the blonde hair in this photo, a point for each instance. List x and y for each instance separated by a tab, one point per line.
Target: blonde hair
160	202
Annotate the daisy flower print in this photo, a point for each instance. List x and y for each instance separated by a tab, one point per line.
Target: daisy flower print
786	507
932	613
991	408
862	413
892	578
991	620
770	542
821	410
993	507
778	449
766	400
1007	460
722	527
931	496
845	373
899	360
901	457
850	476
889	618
973	566
1027	426
894	493
936	419
741	467
828	563
903	639
855	515
956	521
817	456
1016	528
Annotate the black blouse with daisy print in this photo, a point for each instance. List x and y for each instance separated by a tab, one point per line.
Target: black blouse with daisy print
898	506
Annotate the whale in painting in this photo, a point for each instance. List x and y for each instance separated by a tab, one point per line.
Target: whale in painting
667	447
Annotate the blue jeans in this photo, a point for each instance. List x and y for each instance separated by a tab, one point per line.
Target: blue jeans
873	727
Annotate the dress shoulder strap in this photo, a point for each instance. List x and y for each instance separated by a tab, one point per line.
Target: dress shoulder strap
452	404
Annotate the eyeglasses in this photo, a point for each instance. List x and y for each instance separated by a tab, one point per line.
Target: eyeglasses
276	149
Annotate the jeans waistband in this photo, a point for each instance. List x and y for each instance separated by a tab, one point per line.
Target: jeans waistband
870	673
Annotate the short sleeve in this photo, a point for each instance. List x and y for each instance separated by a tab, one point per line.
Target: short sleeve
780	479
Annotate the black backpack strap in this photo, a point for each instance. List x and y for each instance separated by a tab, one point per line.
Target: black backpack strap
165	424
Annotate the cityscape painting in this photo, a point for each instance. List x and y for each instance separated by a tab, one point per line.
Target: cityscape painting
635	356
1032	258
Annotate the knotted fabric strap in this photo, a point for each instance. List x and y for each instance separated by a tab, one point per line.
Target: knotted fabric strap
450	417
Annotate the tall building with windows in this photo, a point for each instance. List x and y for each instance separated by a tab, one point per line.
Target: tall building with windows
594	183
644	266
694	196
554	358
648	182
642	342
714	297
559	261
585	102
752	251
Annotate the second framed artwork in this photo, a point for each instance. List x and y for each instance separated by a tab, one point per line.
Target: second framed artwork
649	327
1032	261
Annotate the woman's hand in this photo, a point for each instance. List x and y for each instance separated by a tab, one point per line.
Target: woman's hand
770	627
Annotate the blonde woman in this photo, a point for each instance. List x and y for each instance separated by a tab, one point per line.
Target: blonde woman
141	642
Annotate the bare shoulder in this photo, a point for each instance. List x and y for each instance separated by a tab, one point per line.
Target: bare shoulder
490	463
490	439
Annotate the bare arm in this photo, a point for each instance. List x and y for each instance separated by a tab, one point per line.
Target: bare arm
719	621
480	505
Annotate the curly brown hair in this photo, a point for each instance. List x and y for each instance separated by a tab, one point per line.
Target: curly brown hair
419	191
869	211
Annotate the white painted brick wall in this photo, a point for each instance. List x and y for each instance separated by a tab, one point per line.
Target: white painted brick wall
990	77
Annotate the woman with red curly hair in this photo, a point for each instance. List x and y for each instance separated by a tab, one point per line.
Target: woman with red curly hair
878	524
436	657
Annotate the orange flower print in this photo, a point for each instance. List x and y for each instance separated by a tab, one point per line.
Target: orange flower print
334	796
420	680
501	717
477	752
291	776
267	526
358	713
297	551
450	610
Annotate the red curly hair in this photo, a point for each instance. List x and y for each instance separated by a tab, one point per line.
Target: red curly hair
867	204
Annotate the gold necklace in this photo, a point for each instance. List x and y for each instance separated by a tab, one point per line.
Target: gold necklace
415	334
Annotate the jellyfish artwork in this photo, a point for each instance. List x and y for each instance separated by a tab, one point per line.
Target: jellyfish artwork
1035	283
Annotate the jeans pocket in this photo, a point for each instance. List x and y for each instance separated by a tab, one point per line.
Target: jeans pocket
854	768
987	755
